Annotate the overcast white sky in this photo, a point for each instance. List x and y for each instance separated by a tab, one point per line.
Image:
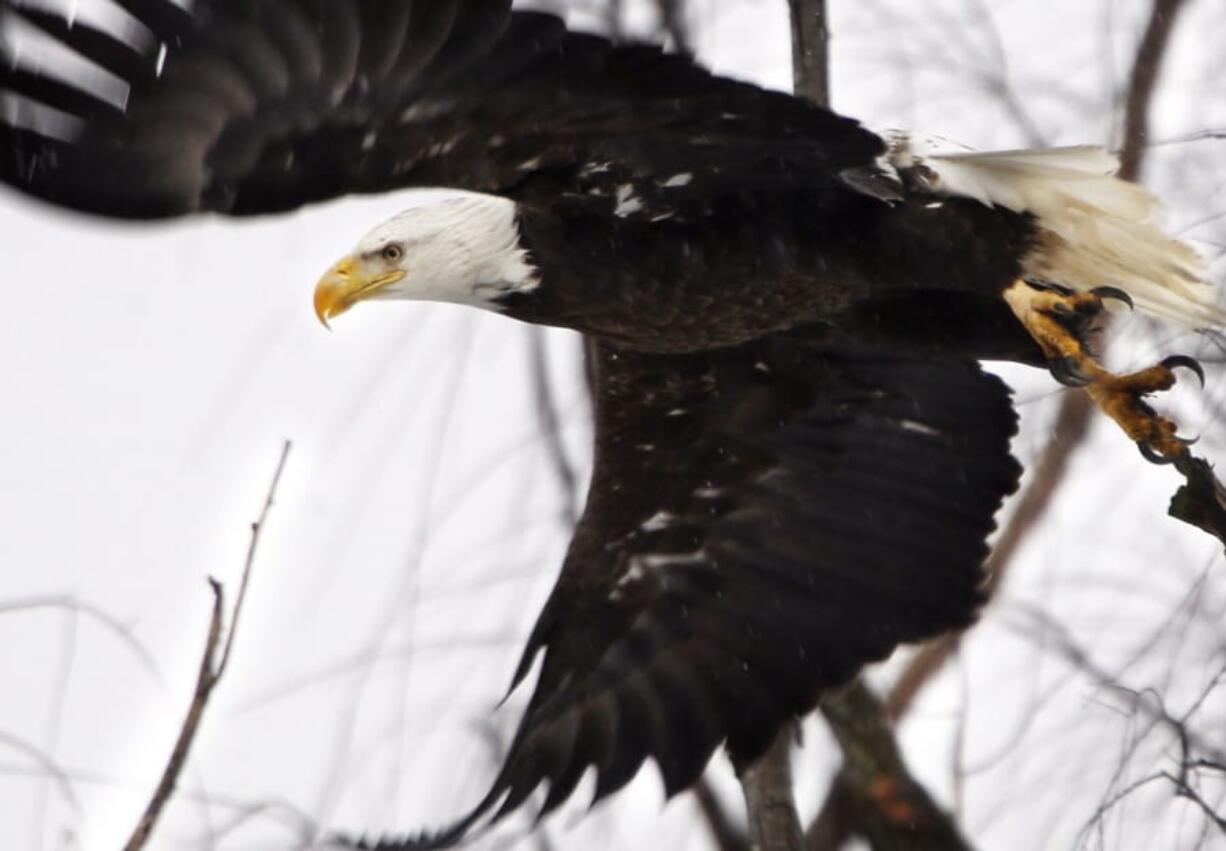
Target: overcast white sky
150	375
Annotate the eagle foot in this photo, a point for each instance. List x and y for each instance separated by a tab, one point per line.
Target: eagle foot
1059	321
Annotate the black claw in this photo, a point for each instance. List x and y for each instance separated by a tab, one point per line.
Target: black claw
1068	372
1188	441
1186	362
1153	456
1114	293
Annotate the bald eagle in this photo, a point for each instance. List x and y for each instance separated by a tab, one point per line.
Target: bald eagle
797	457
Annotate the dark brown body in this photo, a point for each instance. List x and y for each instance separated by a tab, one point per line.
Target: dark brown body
754	265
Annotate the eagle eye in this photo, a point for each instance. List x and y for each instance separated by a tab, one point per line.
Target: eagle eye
392	252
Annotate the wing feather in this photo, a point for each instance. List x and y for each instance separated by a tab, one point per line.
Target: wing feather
853	495
169	22
103	49
56	94
258	106
386	25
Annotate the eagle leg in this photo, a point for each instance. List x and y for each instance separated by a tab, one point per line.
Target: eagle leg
1060	320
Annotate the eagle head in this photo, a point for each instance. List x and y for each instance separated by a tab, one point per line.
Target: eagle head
464	248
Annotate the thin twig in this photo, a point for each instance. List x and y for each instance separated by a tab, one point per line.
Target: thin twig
251	550
47	767
178	756
1195	753
108	621
211	670
55	716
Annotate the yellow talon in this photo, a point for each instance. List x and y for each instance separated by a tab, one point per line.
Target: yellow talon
1058	322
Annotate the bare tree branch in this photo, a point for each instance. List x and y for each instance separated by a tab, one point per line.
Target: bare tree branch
873	774
774	824
886	805
810	51
1201	501
1141	82
672	19
211	670
833	825
551	426
767	784
727	836
613	19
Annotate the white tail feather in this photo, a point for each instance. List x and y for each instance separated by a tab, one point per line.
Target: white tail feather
1096	229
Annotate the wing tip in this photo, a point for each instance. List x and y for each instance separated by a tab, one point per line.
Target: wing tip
457	833
426	840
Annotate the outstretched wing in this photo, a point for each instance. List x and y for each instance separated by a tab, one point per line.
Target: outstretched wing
254	106
762	522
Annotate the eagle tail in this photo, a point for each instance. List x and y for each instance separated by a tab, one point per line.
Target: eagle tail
1095	229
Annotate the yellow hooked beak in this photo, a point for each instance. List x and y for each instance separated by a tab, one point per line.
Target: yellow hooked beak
347	283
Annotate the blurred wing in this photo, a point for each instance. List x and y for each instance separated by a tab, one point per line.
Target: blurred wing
762	522
254	106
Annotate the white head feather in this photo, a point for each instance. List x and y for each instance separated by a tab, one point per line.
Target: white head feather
464	248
